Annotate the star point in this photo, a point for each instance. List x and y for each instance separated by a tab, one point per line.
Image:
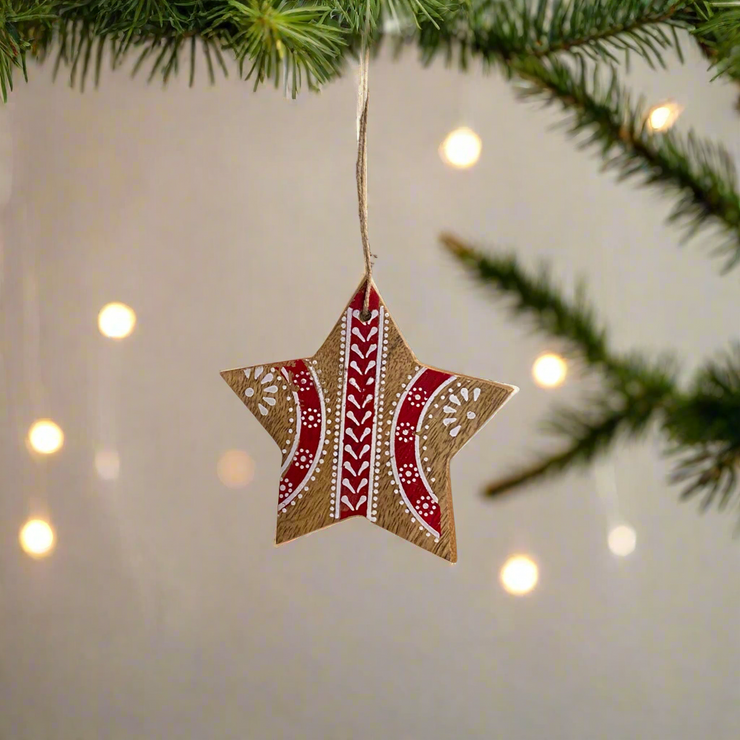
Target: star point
367	430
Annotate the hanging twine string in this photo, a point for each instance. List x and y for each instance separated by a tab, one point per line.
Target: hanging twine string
361	171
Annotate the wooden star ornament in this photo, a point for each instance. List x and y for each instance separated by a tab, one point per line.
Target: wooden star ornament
367	430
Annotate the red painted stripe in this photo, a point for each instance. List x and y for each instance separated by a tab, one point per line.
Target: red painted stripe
310	436
408	465
364	350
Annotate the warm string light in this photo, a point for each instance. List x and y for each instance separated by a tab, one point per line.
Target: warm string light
662	116
461	148
519	575
45	437
116	320
549	370
622	540
37	538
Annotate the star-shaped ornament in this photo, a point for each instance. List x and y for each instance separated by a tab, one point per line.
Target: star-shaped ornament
367	430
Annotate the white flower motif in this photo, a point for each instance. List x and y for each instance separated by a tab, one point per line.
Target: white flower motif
302	381
418	397
265	386
456	408
408	473
425	505
303	458
405	432
311	418
286	488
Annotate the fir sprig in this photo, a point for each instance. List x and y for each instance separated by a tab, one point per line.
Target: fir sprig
702	175
359	16
605	30
527	42
611	31
704	430
303	41
701	425
15	18
716	27
269	39
282	38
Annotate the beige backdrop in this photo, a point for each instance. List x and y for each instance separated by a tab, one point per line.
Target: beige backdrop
228	221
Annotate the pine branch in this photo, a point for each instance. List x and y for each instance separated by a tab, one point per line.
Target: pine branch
535	296
495	30
524	44
311	37
704	430
280	36
702	425
14	46
295	42
596	436
716	28
498	31
702	175
275	39
635	391
361	15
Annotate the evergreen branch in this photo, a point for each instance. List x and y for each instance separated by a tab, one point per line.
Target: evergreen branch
290	41
282	39
635	393
595	436
523	44
278	33
704	430
702	425
498	31
275	39
716	28
702	175
710	411
534	295
14	46
622	411
363	15
308	38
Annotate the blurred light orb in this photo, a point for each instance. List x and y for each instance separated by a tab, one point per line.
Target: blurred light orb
116	320
461	148
622	540
235	469
549	370
107	464
45	436
662	116
37	538
519	575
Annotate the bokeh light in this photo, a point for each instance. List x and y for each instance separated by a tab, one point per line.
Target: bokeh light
37	538
622	540
461	148
549	370
45	436
662	116
519	575
116	320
